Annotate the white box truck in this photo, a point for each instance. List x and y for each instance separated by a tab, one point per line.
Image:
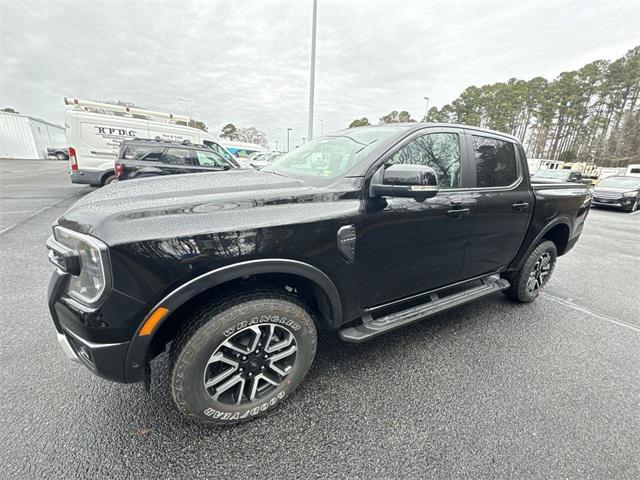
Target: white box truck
95	130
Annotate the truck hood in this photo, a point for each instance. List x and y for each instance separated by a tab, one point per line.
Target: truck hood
158	207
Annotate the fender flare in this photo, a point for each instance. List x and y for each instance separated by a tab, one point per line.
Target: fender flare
520	258
137	352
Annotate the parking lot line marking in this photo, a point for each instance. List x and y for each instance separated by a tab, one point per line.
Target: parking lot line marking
569	304
37	212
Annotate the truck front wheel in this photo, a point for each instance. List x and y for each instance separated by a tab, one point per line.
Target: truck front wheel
528	282
241	357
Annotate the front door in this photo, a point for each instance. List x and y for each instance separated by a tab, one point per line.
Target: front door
178	160
408	246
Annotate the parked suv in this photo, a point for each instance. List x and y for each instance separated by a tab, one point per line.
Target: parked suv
362	231
142	158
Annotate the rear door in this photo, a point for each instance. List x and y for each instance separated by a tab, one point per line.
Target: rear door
503	203
140	160
178	160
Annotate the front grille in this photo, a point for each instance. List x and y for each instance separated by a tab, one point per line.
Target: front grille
607	195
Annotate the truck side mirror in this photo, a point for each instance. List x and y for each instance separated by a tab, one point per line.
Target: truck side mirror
403	180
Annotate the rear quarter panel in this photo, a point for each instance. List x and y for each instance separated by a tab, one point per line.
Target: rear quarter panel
555	204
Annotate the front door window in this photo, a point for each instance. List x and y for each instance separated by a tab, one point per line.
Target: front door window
440	151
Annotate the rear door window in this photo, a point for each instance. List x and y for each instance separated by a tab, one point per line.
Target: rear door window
178	156
143	153
495	162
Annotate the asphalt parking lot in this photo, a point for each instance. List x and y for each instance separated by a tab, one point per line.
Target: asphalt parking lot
489	390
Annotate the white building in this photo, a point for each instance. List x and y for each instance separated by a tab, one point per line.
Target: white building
22	136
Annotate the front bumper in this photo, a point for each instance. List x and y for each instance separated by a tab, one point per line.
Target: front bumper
106	360
66	348
623	202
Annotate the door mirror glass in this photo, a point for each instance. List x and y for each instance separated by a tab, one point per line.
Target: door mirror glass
404	180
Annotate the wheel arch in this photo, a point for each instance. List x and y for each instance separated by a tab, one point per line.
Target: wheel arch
104	175
559	234
554	231
137	355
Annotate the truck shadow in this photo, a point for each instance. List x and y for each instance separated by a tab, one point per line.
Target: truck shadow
339	363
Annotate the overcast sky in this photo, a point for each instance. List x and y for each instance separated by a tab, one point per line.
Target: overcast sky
247	61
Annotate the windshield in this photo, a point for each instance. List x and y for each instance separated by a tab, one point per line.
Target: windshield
332	155
552	174
620	182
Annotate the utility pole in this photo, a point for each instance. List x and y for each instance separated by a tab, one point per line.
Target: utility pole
288	130
186	105
312	78
426	114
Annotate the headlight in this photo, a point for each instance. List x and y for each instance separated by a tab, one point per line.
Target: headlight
630	194
91	281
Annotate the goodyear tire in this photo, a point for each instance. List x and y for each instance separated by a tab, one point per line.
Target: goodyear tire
530	280
241	357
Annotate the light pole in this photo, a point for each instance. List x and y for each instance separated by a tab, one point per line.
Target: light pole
312	76
288	130
426	114
186	101
321	127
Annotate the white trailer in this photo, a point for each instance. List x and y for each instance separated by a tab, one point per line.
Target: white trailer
25	137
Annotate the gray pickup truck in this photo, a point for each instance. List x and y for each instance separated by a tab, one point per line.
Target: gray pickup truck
61	153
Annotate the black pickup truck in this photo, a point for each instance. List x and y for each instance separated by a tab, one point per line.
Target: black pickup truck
361	231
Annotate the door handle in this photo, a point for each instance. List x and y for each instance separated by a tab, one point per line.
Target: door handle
460	202
458	212
520	206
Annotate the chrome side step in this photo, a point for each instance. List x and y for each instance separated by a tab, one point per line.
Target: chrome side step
437	303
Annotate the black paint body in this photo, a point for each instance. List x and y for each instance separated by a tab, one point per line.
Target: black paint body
171	238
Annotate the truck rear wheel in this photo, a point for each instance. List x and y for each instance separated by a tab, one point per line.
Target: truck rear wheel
241	357
530	280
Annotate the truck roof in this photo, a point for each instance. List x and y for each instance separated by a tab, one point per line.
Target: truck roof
418	125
